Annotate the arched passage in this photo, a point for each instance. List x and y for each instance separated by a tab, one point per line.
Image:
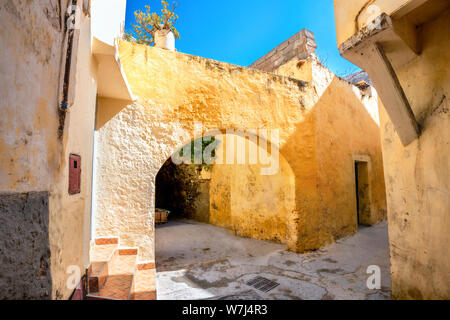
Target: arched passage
235	192
175	91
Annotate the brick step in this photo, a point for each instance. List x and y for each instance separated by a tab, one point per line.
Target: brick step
120	276
101	252
144	282
115	275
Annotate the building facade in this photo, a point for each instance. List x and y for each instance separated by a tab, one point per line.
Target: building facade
54	54
403	45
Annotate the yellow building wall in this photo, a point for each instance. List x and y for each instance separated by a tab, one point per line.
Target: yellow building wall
29	147
33	155
352	16
70	230
340	115
417	176
298	69
341	108
250	204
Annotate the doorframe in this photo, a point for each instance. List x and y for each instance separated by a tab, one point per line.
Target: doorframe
363	158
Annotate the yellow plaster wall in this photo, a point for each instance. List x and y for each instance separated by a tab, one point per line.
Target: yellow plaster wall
29	86
252	205
298	69
353	15
417	176
71	227
341	114
33	157
338	109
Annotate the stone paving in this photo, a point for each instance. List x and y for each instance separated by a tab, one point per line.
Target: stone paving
201	261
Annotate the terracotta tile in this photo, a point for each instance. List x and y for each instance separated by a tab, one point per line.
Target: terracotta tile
118	282
103	241
128	252
117	287
146	266
111	272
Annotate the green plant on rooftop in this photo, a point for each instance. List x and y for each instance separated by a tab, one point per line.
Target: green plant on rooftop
148	23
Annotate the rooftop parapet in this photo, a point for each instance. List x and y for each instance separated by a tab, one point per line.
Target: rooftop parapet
301	46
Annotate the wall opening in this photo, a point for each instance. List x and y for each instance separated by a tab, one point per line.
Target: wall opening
235	191
362	192
237	197
183	190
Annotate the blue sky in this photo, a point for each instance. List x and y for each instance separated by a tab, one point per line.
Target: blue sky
240	32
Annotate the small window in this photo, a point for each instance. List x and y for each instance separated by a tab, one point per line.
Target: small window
74	174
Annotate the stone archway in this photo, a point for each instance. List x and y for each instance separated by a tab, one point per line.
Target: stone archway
240	196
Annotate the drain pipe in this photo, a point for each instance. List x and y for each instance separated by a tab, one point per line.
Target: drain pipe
69	59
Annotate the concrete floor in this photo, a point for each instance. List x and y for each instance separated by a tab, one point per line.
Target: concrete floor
201	261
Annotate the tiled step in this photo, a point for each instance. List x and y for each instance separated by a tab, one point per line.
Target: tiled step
101	252
114	273
144	282
120	276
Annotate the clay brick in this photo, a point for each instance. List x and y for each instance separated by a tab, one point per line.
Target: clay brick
146	266
128	252
104	241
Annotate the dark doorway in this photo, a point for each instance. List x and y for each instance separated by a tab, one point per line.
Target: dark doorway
362	192
182	190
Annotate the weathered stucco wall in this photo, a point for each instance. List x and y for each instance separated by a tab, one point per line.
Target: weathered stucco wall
29	147
340	115
297	69
417	176
70	219
29	81
339	108
233	196
33	157
250	204
173	91
352	16
261	206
